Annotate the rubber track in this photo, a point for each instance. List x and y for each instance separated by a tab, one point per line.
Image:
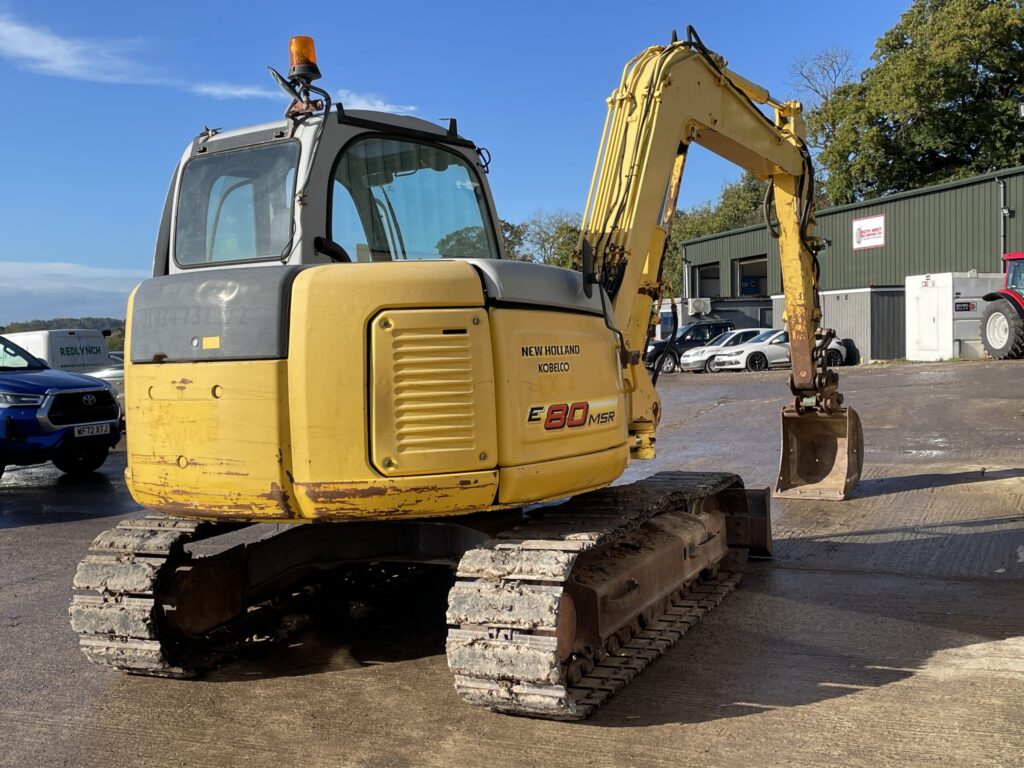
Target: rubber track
503	611
114	609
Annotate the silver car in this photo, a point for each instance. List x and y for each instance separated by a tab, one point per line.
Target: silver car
703	358
769	350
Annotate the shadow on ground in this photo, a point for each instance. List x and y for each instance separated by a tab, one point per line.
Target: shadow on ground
789	637
885	485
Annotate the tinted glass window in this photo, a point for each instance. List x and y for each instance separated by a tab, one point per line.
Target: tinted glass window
782	338
397	200
738	337
762	337
700	333
683	332
13	357
1015	275
236	206
720	340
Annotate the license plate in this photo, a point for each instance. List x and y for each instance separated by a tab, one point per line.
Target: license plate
92	429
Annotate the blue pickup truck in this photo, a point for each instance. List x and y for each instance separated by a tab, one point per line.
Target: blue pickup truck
47	415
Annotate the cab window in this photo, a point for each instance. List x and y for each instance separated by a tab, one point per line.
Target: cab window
401	200
1015	276
236	205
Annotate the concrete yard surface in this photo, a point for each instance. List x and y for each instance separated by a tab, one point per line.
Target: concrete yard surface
887	631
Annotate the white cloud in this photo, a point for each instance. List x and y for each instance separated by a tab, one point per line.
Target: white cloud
230	91
354	100
42	291
40	50
37	49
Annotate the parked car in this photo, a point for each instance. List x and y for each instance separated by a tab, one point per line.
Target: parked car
703	358
769	350
114	376
49	415
691	335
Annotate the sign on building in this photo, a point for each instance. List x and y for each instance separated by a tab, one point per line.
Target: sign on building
869	232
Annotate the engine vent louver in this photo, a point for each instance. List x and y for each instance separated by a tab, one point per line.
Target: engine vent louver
433	392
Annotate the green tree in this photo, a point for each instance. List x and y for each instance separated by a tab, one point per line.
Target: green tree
551	238
515	241
59	323
465	243
939	102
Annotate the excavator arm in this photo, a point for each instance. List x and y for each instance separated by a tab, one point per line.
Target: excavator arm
669	98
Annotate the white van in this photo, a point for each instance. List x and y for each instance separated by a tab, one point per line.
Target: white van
66	350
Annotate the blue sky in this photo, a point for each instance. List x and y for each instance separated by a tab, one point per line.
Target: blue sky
101	98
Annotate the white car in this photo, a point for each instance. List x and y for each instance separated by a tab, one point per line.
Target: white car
703	358
769	350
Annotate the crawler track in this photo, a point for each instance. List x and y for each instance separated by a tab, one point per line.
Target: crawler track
118	614
117	624
505	610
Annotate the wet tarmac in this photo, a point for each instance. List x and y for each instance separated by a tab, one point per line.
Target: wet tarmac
888	630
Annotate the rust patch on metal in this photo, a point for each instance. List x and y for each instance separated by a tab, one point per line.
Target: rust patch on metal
281	499
317	492
181	384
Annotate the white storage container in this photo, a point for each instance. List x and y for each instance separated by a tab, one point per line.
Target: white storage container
944	314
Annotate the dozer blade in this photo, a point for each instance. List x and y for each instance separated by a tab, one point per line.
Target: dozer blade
822	454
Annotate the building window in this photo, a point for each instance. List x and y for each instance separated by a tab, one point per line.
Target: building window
750	277
706	281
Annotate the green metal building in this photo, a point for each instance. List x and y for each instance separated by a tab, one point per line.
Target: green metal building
871	248
953	227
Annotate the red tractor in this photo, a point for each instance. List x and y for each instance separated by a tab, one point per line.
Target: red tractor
1002	326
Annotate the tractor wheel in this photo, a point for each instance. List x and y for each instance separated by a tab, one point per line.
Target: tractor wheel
757	362
1002	331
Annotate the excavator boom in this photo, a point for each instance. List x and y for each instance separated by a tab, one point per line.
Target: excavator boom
671	97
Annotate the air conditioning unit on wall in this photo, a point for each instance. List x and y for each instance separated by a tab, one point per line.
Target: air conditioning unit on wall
698	306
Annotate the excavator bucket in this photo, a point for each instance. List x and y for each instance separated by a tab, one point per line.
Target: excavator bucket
822	454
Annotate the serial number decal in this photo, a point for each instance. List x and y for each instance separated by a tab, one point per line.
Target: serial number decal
571	415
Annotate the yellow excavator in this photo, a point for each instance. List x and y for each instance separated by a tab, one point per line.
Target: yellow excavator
332	340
